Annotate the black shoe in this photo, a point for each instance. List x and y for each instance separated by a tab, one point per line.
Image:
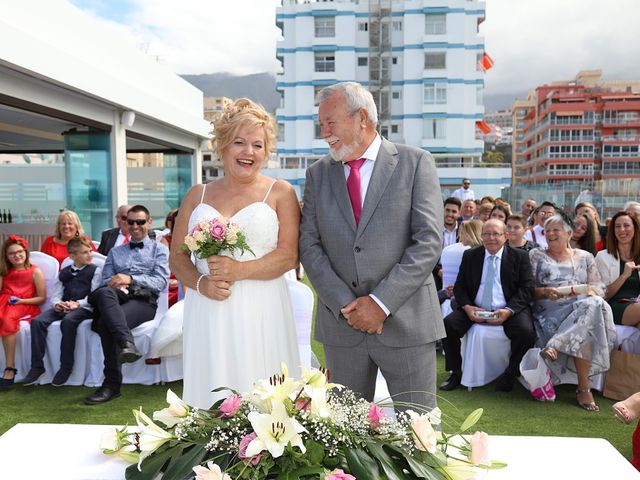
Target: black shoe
452	382
61	377
33	376
129	353
102	395
505	382
8	382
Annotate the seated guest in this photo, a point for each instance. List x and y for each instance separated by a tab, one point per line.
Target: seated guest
584	234
114	237
618	266
516	227
484	211
634	209
486	199
168	224
166	240
576	329
70	305
468	210
68	226
528	206
132	279
601	230
492	278
451	213
540	214
500	212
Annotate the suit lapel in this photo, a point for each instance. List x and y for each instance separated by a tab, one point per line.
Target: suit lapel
477	272
341	194
383	169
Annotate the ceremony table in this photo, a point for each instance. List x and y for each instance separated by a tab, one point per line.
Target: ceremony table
71	452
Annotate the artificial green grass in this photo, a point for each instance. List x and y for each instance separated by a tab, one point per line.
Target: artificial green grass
514	413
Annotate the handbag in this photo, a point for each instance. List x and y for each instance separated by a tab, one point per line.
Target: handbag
623	378
537	377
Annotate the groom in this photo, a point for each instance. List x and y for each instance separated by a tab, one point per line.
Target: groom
370	236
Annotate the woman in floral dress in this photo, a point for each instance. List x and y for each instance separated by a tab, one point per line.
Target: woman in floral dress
575	328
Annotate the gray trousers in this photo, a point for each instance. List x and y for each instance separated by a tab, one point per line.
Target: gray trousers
410	372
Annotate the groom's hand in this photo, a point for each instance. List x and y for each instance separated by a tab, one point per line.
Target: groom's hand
364	314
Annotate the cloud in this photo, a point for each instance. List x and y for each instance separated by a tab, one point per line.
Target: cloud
537	42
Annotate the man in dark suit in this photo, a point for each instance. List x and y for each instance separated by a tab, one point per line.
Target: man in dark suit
497	280
114	237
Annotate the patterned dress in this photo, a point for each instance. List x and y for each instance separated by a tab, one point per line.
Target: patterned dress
576	326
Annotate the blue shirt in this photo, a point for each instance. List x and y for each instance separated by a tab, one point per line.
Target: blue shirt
147	266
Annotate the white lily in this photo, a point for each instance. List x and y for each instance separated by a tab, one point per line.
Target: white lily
174	413
319	406
315	378
434	416
274	390
151	435
424	436
459	470
119	441
274	432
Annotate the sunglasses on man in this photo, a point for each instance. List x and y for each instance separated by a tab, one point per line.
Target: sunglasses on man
137	222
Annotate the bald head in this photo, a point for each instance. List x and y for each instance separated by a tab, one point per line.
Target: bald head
493	235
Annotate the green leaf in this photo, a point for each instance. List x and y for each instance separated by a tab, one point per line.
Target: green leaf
315	452
184	465
390	468
420	468
361	465
151	465
300	472
471	420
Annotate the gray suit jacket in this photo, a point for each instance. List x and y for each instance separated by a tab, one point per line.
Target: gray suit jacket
390	254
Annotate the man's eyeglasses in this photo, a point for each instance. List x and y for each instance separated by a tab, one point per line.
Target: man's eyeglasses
137	222
492	234
121	217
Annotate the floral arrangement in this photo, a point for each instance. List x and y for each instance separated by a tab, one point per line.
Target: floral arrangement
210	237
289	429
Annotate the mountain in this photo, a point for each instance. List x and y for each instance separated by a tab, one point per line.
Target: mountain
502	101
260	87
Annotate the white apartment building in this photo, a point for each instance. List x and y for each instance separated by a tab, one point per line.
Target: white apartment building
418	58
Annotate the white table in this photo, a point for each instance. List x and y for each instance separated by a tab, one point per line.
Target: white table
71	452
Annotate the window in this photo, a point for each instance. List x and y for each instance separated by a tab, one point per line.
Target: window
363	61
325	62
395	95
394	60
281	132
397	25
363	26
318	132
384	131
479	62
435	61
435	93
325	26
435	24
435	128
316	90
394	128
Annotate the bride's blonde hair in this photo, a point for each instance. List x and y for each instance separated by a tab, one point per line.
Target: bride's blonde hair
237	114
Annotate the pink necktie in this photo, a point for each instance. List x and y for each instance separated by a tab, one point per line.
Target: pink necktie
353	185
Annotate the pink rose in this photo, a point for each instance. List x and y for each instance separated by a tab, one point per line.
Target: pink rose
230	406
479	449
303	404
242	449
376	414
218	230
338	474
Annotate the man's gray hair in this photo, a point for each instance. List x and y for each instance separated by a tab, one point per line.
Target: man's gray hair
630	204
357	97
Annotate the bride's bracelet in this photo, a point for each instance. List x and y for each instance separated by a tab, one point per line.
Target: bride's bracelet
198	284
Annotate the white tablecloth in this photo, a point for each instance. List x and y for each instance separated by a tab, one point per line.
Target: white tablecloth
71	452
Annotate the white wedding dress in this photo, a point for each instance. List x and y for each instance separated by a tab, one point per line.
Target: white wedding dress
237	341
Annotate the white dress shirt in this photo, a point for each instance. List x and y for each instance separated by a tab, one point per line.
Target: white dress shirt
58	289
449	237
120	240
498	301
537	236
464	194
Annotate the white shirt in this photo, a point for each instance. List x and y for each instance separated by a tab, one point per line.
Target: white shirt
464	194
366	169
120	239
498	301
539	237
58	289
449	237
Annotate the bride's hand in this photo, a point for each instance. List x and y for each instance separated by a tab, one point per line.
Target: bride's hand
215	289
224	268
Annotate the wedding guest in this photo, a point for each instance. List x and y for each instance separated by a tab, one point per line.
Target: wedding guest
452	208
133	277
576	329
528	206
484	211
238	318
464	192
492	278
168	224
468	211
114	237
618	266
628	410
634	209
601	230
540	214
166	240
68	226
487	199
500	212
516	227
584	234
22	291
70	305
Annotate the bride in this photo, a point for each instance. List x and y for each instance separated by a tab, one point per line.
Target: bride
238	319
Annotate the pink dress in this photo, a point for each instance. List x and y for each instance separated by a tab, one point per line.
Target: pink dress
18	283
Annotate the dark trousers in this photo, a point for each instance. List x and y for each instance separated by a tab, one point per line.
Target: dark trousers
114	327
69	327
518	329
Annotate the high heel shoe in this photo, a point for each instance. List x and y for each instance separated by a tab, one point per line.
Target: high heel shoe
7	382
588	406
549	353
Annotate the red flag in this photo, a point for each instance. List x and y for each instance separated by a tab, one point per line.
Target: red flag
483	126
485	63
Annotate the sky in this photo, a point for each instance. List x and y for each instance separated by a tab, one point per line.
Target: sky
532	42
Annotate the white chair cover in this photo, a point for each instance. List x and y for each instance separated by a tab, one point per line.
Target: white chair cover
50	269
167	338
302	300
23	351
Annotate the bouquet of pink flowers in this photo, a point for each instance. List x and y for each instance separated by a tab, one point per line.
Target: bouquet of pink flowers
210	237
